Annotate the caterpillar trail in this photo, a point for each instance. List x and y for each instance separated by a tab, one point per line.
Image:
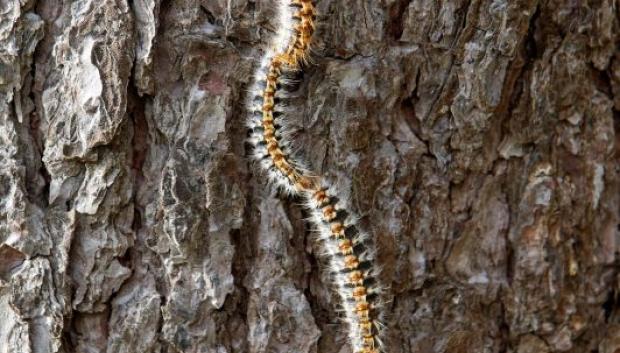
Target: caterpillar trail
350	253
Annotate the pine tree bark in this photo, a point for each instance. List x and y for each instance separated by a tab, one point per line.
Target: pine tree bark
477	139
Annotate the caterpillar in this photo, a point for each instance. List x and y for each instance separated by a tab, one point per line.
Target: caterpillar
268	133
351	257
350	253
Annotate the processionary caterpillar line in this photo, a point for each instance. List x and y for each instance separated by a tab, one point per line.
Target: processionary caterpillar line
350	253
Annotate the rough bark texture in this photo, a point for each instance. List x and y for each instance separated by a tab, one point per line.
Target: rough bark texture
478	140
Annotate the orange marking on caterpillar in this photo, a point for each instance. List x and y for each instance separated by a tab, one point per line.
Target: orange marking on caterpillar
278	159
369	340
362	306
269	133
268	106
351	262
305	183
366	327
338	231
286	169
321	197
363	314
329	212
345	247
359	292
356	277
273	146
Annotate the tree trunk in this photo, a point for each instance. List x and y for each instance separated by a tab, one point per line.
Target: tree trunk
477	140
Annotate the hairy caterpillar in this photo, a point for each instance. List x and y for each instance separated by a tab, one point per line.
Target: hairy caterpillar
288	50
349	252
352	260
